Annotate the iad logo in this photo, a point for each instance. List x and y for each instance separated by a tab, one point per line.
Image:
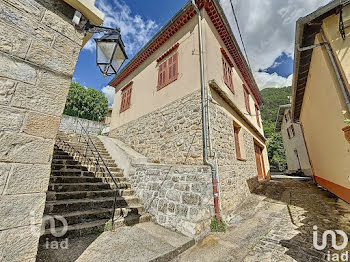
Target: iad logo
51	220
332	257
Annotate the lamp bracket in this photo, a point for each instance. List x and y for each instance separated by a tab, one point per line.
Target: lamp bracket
90	28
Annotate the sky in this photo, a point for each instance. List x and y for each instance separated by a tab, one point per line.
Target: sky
267	26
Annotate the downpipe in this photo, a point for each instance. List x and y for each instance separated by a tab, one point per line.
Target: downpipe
204	119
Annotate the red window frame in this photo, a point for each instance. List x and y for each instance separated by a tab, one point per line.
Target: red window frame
288	133
292	129
246	99
168	71
236	130
126	97
257	115
227	69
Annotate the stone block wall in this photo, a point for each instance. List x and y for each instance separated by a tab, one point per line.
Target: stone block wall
39	48
70	124
234	174
179	197
171	135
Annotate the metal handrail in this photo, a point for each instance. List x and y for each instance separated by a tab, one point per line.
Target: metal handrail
95	161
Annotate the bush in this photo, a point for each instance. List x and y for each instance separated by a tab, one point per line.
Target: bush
87	103
214	227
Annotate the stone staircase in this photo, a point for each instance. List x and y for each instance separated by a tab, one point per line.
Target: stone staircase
84	197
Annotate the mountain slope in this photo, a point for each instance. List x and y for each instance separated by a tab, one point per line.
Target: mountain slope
273	98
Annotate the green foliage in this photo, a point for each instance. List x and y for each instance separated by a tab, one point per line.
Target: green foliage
273	98
214	227
87	103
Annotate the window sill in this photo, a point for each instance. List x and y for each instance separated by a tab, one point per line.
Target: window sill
241	159
161	87
123	110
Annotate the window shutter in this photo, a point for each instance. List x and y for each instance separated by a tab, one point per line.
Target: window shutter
288	133
176	66
128	98
257	115
162	75
246	99
293	131
238	149
172	68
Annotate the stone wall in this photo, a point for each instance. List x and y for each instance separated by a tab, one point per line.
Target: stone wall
70	124
234	174
172	134
179	197
39	48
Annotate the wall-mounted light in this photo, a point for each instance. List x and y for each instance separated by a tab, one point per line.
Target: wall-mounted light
110	49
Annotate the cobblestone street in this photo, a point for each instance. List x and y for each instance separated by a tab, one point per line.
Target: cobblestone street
276	224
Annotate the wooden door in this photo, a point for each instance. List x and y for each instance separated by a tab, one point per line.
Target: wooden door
259	161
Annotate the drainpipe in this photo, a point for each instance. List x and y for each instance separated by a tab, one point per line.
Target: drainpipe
204	119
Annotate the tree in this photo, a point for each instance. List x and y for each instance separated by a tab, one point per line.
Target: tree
86	103
273	98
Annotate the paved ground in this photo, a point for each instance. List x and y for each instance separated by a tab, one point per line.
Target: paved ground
276	224
142	242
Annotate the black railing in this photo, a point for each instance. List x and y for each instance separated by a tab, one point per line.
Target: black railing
95	160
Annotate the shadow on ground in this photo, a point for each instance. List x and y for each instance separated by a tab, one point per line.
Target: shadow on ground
307	205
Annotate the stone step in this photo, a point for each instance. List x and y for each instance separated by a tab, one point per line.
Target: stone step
71	161
78	166
84	179
76	230
77	172
78	217
68	187
70	205
51	195
67	156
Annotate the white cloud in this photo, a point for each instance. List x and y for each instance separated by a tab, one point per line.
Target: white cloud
268	29
136	31
266	80
109	92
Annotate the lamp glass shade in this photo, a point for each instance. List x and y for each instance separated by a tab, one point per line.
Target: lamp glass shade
110	54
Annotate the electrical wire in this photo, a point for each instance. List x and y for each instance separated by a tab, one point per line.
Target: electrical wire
240	34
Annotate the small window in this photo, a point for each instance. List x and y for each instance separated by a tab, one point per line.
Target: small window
290	114
292	129
288	133
246	99
286	118
237	144
168	71
227	74
126	97
257	115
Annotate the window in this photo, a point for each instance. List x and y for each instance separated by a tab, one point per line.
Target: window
292	129
240	154
246	99
257	115
227	74
288	133
168	71
126	97
286	118
290	114
227	66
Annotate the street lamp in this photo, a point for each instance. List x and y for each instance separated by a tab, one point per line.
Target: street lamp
110	49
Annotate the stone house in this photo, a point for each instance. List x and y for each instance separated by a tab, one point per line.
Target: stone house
293	142
157	105
321	93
